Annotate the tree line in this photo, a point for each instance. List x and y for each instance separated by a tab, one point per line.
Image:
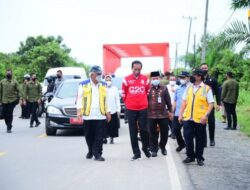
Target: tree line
37	55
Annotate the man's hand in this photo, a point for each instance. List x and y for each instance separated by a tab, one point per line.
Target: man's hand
217	108
108	116
39	101
180	118
204	120
170	116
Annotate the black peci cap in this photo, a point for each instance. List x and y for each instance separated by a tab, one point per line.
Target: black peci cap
155	74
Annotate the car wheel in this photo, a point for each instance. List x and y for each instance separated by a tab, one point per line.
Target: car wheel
49	130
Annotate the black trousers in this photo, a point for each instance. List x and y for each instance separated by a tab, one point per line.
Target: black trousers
94	136
8	113
33	108
177	132
194	130
231	112
211	127
154	134
25	111
135	116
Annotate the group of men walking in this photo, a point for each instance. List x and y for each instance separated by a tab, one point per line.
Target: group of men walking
28	95
150	111
150	105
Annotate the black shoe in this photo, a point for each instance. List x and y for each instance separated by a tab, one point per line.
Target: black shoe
212	143
37	124
179	148
164	151
188	160
111	140
234	128
228	128
105	141
31	126
100	158
89	155
154	154
135	157
9	131
173	136
200	162
147	153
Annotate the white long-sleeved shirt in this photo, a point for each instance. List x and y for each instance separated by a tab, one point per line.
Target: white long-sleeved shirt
95	113
113	99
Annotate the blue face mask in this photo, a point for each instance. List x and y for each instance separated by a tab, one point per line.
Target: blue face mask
155	82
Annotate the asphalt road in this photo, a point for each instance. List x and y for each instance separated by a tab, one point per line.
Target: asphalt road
30	160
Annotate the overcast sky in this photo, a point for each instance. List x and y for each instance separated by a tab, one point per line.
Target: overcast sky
86	25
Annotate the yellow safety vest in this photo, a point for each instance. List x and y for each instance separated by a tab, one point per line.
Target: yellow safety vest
197	104
87	97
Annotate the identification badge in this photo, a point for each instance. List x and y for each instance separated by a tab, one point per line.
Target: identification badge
159	99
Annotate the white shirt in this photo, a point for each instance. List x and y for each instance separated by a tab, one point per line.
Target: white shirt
209	95
171	91
95	113
113	99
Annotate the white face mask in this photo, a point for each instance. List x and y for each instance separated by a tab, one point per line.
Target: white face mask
109	83
183	81
172	83
99	78
155	82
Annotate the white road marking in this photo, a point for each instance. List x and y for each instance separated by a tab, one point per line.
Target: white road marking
175	183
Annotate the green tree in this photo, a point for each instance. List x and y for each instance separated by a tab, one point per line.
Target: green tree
239	4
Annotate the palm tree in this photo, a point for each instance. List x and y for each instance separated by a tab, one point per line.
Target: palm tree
238	32
239	4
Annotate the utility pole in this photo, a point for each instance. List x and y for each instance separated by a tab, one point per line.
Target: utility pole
194	51
176	56
189	31
203	52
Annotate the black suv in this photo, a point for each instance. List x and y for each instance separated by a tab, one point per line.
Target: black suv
62	108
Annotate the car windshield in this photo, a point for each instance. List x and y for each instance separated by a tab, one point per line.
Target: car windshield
68	90
117	81
45	82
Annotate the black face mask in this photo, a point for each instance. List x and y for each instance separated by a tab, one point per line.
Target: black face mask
205	72
9	76
59	76
178	82
192	79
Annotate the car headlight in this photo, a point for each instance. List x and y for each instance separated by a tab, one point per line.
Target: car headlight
53	110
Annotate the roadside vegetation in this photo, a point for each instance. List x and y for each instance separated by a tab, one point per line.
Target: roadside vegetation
221	56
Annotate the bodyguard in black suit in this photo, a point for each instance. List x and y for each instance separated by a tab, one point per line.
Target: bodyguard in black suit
212	82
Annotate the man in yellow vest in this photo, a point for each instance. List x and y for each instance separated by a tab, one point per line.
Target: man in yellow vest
92	108
196	106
